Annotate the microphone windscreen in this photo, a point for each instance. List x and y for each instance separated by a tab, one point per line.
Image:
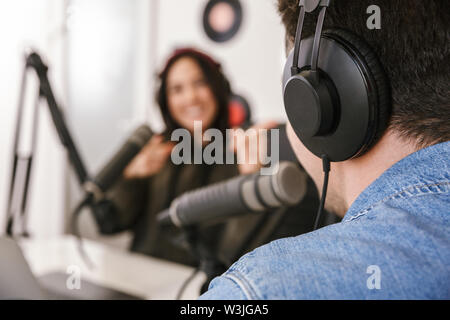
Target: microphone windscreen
290	184
286	187
239	195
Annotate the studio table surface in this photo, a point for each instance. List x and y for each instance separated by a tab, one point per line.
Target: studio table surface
130	273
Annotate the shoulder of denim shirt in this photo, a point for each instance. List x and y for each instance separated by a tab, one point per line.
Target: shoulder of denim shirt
335	262
426	171
331	263
225	288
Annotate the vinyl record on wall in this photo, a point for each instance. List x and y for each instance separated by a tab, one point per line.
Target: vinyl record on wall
222	19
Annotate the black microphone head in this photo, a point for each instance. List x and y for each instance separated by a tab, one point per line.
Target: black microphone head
141	135
114	168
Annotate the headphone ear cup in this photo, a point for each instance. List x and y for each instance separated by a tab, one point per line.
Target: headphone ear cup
381	102
362	102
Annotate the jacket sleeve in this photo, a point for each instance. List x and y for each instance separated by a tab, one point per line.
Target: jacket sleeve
125	202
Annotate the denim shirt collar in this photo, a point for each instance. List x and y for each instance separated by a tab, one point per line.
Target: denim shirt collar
425	168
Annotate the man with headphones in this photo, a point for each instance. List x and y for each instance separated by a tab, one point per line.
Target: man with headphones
369	119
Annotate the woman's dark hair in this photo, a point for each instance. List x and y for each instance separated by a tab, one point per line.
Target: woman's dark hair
215	79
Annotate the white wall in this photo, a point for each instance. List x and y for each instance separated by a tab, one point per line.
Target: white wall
109	66
253	61
39	24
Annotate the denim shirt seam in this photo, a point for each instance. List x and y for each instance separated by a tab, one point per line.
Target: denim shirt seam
400	193
242	283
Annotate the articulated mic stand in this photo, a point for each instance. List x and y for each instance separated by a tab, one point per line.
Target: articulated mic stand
18	211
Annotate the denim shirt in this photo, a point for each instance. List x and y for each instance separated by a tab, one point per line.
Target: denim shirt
393	243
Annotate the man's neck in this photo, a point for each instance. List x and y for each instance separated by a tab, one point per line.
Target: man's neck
359	173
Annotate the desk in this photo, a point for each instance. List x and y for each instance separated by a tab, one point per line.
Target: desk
131	273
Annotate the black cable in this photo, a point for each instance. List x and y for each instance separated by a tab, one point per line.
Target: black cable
76	232
326	170
186	282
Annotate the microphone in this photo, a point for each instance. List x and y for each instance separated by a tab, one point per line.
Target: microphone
239	195
114	168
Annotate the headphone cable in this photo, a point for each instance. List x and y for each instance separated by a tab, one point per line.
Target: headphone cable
186	282
326	170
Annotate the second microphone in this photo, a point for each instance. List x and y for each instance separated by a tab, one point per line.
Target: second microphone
239	195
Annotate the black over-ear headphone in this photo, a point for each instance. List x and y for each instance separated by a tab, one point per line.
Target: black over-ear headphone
336	94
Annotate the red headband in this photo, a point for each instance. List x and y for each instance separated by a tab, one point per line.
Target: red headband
182	51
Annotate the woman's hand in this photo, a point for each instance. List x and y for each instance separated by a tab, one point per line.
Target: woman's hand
150	160
248	149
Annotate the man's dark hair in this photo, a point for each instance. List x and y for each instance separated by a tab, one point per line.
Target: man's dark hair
413	45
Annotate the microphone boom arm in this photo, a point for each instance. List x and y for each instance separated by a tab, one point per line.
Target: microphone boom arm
34	61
